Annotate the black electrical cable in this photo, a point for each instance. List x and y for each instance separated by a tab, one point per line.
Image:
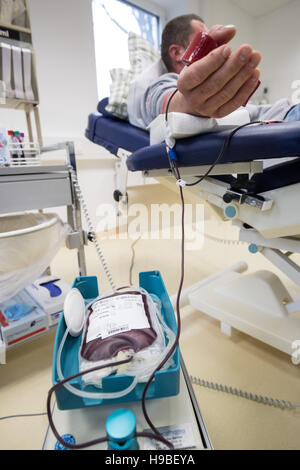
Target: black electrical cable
26	415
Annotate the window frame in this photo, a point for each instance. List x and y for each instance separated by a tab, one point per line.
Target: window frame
149	7
145	6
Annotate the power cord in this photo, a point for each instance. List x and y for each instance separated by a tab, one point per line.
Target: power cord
22	416
133	258
92	234
277	403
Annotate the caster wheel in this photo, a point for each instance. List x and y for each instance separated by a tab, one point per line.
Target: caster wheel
117	195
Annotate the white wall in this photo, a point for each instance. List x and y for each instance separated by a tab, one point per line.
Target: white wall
170	8
277	37
176	8
64	43
215	12
225	12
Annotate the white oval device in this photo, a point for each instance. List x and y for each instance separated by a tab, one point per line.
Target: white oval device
74	312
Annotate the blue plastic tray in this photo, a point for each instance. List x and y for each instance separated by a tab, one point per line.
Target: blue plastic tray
166	382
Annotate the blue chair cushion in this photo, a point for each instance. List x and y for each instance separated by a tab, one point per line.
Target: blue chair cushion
113	133
277	140
248	144
101	108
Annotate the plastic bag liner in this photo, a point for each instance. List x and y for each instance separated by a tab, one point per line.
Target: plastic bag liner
125	323
28	243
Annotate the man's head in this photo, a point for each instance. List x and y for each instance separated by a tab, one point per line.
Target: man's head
176	36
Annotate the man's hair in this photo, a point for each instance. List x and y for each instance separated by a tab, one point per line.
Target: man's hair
176	31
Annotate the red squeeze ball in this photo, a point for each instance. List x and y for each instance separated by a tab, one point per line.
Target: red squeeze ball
199	47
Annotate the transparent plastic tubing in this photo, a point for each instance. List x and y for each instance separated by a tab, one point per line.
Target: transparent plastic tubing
100	439
81	393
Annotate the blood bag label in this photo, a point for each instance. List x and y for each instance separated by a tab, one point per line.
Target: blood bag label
114	315
181	436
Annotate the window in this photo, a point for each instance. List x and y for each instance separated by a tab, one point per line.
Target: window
113	20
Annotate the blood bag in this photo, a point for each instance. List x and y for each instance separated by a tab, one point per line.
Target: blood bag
126	323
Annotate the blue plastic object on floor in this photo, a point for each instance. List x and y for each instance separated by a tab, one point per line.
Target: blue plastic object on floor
120	428
69	438
167	381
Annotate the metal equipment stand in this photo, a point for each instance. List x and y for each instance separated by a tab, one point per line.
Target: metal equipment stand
24	188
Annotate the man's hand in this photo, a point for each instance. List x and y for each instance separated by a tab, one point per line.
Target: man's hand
221	82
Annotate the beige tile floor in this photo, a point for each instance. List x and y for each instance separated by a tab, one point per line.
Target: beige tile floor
240	361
